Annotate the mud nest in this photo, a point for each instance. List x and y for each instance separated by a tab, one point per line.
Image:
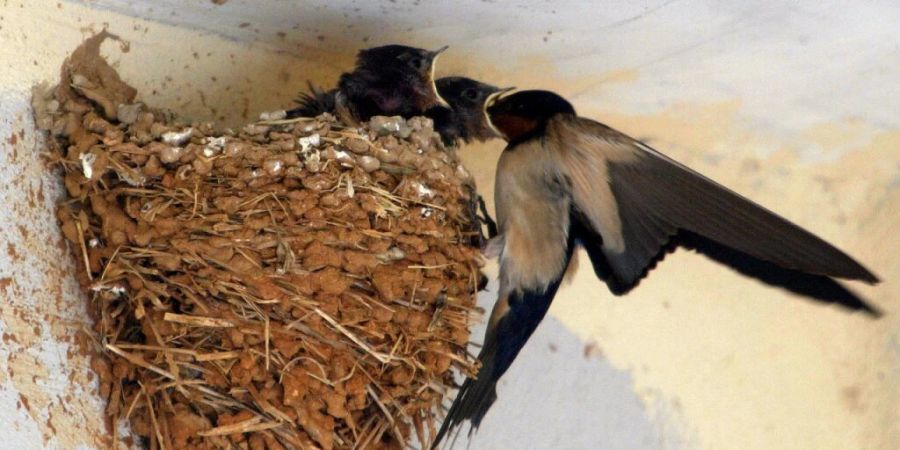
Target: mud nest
294	284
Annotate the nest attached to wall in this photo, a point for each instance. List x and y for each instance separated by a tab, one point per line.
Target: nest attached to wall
294	284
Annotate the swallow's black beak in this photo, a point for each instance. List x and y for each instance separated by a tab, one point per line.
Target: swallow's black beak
437	52
500	91
489	102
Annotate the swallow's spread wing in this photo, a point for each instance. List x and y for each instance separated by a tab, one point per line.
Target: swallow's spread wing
631	204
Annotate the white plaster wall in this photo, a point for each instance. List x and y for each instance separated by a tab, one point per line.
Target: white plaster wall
794	103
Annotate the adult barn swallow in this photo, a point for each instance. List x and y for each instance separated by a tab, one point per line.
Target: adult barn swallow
565	181
391	80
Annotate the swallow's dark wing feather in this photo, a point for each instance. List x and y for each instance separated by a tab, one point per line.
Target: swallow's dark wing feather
640	203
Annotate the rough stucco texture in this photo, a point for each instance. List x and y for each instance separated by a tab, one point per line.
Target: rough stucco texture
791	103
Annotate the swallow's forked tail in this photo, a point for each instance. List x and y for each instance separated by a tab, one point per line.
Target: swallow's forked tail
502	344
313	103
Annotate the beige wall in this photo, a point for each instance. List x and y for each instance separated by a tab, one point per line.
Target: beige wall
792	105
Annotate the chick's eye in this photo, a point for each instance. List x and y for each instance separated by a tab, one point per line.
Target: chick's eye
419	63
470	94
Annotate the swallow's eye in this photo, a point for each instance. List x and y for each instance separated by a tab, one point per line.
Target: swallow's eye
471	94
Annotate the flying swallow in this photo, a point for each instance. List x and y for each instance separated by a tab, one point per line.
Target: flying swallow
391	80
565	181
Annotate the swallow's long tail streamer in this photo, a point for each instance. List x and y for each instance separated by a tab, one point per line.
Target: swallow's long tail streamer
501	346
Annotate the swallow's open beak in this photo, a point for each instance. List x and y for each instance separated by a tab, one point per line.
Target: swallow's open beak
437	96
490	102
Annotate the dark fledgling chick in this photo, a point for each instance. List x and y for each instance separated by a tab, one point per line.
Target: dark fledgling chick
466	121
391	80
565	181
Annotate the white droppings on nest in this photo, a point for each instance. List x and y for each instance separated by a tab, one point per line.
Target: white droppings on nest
350	191
254	129
309	127
170	154
115	289
341	156
79	80
312	160
309	154
391	125
87	164
427	212
383	125
177	138
462	173
369	163
422	190
272	115
273	166
93	243
214	146
132	177
308	142
392	254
